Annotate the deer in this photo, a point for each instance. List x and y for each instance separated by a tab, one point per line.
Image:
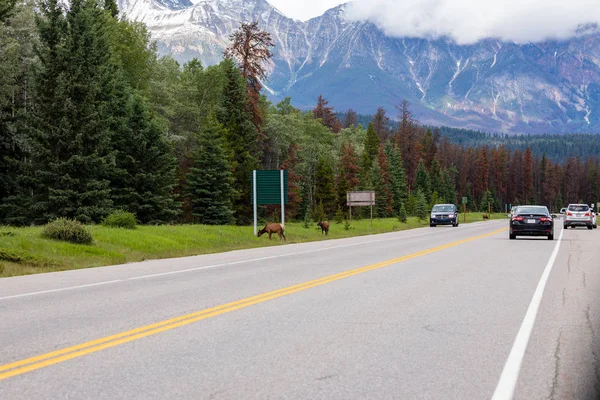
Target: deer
324	225
272	228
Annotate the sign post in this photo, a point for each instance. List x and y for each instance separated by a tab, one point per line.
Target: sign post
269	187
365	198
255	202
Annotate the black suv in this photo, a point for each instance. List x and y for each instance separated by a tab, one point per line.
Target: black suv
443	214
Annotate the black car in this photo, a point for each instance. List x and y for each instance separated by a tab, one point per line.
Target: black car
531	221
443	214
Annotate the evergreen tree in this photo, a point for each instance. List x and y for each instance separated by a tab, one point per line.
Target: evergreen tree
209	180
351	119
371	149
386	187
381	191
422	181
241	138
145	168
487	201
402	214
448	188
347	174
70	138
398	183
421	207
112	8
325	186
381	124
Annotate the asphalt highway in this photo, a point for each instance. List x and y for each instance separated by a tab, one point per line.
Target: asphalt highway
432	313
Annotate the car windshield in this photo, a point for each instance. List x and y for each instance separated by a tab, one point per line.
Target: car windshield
579	208
532	210
443	208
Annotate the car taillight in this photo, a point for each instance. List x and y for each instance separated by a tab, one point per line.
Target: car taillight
569	214
545	219
518	219
588	214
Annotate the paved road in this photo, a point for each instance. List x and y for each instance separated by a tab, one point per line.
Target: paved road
429	313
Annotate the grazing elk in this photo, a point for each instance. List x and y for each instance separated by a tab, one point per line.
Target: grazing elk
273	228
485	216
324	225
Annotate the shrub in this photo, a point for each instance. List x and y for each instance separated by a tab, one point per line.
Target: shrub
67	230
402	215
339	215
7	255
120	219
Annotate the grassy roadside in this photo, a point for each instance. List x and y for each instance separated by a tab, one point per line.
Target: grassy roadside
23	251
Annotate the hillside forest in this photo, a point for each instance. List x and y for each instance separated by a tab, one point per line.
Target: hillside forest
93	120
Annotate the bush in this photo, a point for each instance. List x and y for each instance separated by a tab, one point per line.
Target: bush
67	230
120	219
402	215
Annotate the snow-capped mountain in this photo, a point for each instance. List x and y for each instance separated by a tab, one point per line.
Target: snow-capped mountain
492	85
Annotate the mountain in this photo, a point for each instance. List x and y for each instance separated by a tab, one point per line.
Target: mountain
492	85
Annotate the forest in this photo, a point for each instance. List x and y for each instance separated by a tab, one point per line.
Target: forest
93	120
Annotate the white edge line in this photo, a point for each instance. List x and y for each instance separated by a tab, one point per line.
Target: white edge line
231	263
510	374
60	290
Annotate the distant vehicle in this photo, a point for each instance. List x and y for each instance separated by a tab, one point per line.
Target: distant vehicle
563	210
579	215
594	219
512	211
443	214
531	221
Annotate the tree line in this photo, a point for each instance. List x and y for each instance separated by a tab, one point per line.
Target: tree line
92	120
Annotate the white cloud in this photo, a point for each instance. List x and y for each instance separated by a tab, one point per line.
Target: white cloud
468	21
304	9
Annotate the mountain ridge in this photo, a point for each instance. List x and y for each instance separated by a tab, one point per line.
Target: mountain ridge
491	85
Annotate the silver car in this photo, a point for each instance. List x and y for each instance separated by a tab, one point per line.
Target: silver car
579	215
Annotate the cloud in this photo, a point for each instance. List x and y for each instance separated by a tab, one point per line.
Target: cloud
469	21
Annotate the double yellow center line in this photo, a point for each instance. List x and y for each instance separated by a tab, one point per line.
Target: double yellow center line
68	353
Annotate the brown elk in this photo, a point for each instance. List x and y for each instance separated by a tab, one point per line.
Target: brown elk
324	225
273	228
485	216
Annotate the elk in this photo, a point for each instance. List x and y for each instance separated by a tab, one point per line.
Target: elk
485	216
324	225
272	228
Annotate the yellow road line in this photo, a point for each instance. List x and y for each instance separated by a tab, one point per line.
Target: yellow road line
68	353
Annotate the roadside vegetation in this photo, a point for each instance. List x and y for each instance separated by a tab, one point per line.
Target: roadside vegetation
25	251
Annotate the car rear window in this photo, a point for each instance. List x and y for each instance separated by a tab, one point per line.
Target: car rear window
579	208
443	208
532	210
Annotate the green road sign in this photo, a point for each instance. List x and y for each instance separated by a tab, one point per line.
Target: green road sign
268	187
464	200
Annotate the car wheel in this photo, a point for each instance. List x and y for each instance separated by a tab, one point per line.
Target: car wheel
512	237
595	226
590	227
551	236
566	226
432	225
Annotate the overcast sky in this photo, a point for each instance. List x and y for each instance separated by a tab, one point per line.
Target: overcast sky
465	21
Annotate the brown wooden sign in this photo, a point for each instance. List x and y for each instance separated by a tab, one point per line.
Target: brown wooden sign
365	198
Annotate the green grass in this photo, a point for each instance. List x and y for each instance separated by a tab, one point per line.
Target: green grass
24	251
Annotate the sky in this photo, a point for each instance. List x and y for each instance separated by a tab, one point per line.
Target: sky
464	21
304	9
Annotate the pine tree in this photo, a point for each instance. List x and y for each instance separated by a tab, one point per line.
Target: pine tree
112	8
398	183
381	191
370	150
144	176
422	181
448	187
384	168
381	124
209	180
325	187
325	113
70	138
351	119
348	172
241	138
402	214
421	207
487	201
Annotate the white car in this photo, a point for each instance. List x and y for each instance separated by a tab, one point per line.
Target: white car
580	215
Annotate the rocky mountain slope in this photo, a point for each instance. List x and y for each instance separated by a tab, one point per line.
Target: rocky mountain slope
492	85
